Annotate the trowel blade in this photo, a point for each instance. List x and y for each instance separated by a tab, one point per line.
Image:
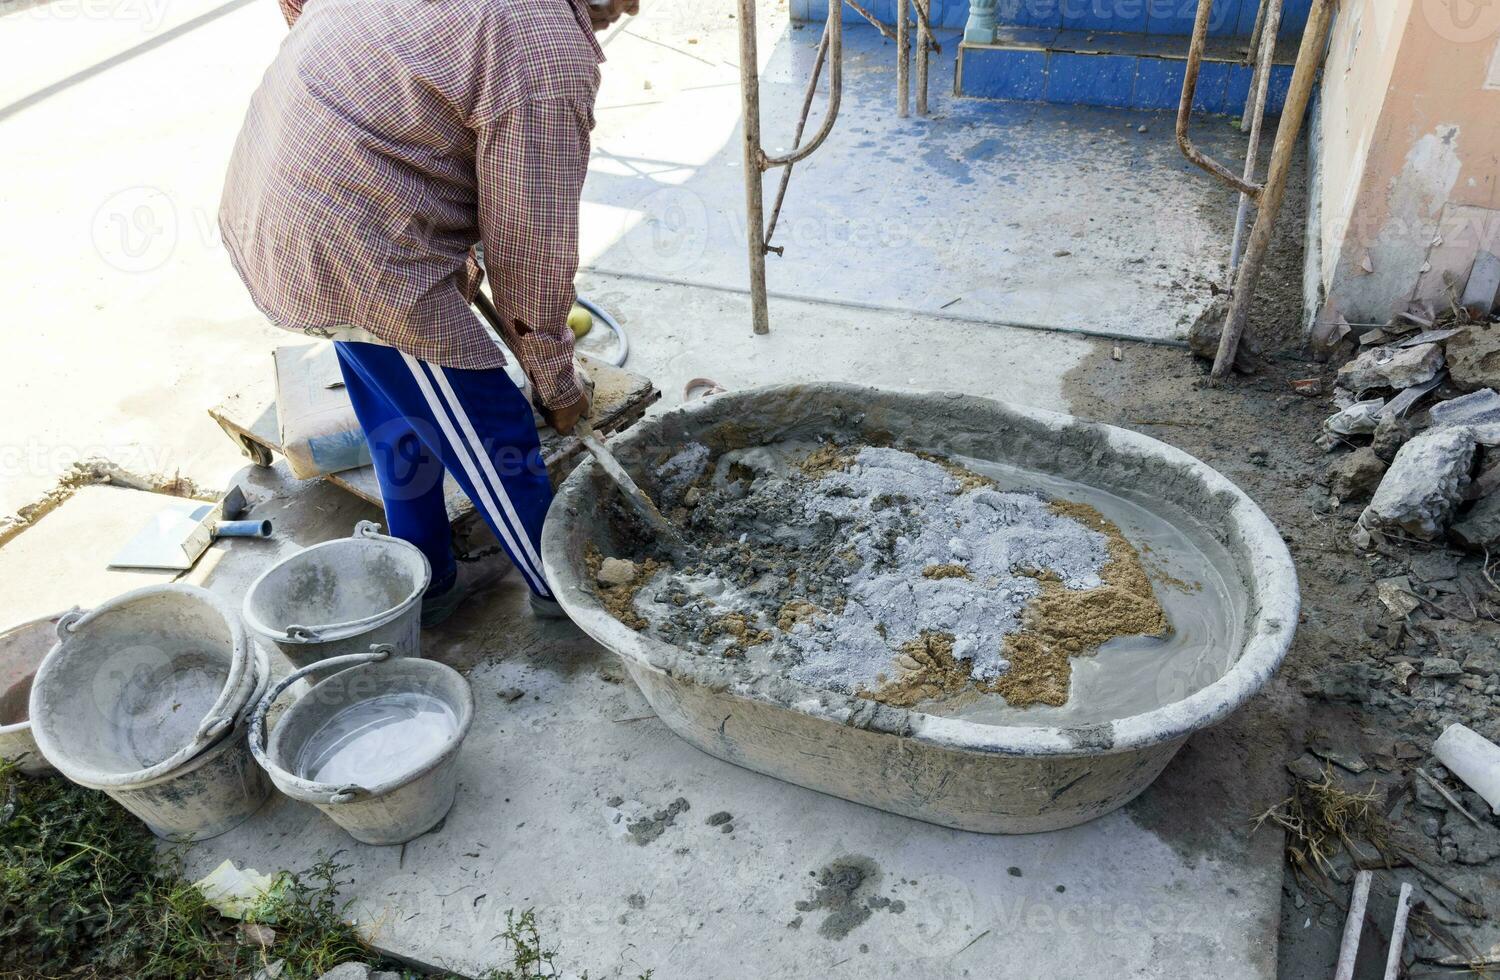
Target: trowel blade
173	539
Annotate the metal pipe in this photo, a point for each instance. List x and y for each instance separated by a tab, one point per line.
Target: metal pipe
903	59
1255	105
786	173
1250	58
924	35
1304	76
1185	108
760	317
833	39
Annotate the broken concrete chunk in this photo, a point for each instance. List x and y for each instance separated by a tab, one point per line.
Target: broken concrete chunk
1483	289
1476	845
1392	367
1425	482
1356	475
616	571
1474	357
1476	407
1441	667
1434	566
1480	527
1358	419
1396	595
1391	433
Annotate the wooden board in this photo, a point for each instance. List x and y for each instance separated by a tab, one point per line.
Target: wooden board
621	397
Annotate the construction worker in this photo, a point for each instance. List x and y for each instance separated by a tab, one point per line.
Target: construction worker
386	140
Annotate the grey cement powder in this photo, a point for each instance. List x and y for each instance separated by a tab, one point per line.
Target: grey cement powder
889	516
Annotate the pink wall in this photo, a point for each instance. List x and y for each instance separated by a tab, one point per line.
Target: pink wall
1410	153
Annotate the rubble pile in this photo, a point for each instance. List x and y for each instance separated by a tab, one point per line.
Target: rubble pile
1418	411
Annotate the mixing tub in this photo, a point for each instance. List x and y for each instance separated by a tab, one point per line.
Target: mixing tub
991	778
22	649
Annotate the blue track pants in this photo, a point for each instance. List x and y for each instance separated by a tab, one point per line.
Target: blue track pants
422	420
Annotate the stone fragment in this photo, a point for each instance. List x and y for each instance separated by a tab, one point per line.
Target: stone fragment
1307	768
1434	566
1356	475
1476	845
1345	757
1474	408
1480	527
616	571
1474	357
1483	288
1392	367
1391	433
1427	795
347	971
1484	662
1425	482
1358	419
1441	667
1396	595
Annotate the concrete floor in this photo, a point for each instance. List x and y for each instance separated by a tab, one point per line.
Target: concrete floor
129	321
1168	887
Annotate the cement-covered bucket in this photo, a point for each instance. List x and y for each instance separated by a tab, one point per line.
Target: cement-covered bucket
374	747
22	649
142	698
341	597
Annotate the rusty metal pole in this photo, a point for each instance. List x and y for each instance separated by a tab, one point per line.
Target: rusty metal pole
760	316
903	58
1309	60
1185	108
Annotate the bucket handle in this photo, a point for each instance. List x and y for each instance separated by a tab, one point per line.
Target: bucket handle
220	716
366	529
332	794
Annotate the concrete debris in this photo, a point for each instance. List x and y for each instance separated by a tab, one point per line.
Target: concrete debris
1474	357
1474	408
1396	595
347	971
1424	484
1434	566
1356	475
1441	667
1391	433
1343	757
1358	419
1483	290
617	571
1392	367
1480	527
1476	845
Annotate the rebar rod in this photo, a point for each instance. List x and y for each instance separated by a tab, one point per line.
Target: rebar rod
786	173
760	317
1185	107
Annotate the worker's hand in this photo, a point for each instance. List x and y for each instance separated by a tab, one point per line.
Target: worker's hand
563	419
605	12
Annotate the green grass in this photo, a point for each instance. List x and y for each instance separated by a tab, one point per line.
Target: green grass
86	892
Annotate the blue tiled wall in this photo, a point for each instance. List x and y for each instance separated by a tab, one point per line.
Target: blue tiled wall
1111	80
1230	17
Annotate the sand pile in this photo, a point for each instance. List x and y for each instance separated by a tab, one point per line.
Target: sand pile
883	573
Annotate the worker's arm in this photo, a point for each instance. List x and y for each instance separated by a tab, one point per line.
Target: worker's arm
531	164
291	10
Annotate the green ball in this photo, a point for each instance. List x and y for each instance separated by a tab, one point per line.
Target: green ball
580	321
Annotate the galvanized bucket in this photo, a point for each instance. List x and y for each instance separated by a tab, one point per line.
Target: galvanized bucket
341	597
404	801
22	649
143	697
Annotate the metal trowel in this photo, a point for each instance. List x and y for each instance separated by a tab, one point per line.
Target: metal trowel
176	538
666	533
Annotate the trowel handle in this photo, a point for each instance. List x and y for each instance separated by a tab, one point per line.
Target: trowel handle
334	794
242	529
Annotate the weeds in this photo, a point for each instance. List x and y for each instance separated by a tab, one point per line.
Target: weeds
86	893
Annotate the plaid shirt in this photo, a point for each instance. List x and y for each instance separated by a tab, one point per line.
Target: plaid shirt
387	139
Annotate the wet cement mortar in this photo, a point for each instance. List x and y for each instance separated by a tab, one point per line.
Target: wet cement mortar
1340	694
888	574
